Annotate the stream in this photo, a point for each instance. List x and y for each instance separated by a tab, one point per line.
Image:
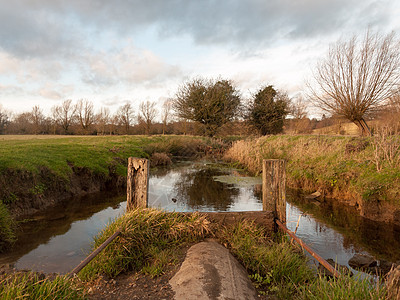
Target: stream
57	239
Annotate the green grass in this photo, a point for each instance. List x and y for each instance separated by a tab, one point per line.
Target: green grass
149	241
31	286
342	288
38	166
276	267
152	239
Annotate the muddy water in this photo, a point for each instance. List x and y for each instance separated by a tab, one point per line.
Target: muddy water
58	239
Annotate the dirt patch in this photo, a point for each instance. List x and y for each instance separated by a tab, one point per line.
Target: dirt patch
132	286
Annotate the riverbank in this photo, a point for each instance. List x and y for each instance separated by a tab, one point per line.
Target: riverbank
152	245
40	171
348	169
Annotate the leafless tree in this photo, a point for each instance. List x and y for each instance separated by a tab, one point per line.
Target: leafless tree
298	108
102	119
166	112
125	116
4	119
63	114
85	113
37	117
147	112
357	77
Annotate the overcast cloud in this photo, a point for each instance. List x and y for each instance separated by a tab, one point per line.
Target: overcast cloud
117	50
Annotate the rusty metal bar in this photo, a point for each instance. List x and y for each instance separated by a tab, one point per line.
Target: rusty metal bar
309	250
92	255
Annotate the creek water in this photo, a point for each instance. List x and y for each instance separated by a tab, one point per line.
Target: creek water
57	239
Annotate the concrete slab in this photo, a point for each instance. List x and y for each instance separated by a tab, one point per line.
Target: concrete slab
209	271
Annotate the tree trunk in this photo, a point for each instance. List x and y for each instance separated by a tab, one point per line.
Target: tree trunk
363	127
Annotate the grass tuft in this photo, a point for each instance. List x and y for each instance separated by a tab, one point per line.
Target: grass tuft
32	286
146	242
343	288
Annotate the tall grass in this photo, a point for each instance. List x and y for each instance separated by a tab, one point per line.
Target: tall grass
343	288
275	266
341	167
31	286
148	242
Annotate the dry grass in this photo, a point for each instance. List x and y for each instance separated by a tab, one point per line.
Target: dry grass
342	167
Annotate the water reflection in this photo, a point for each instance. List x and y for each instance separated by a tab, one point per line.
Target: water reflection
59	238
193	188
349	229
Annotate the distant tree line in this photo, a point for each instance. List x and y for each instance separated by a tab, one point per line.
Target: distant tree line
357	82
200	106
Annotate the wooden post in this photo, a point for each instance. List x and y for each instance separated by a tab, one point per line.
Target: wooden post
137	183
274	188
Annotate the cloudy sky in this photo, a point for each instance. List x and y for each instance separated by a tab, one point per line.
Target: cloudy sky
115	51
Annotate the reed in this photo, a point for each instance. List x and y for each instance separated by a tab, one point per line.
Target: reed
32	286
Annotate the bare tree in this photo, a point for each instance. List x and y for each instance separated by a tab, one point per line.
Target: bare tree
37	117
147	112
63	114
4	119
85	113
298	111
357	76
125	116
102	119
166	112
298	108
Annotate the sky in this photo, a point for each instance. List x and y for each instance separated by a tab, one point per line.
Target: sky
111	52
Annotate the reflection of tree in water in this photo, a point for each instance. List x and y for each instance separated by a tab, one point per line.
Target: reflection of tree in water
198	189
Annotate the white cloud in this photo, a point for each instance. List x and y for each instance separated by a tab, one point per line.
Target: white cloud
130	65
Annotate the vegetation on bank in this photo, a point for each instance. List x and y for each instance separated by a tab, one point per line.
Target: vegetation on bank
34	169
342	167
32	286
152	239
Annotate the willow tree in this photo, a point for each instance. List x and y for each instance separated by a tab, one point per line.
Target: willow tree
357	76
212	103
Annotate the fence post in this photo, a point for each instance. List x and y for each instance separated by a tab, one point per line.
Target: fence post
137	188
274	188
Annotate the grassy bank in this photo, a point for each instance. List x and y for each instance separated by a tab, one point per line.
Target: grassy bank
151	240
36	171
350	169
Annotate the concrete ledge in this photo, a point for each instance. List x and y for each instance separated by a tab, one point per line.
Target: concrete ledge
209	271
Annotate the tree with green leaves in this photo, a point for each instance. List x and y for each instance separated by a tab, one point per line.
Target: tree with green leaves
267	110
212	103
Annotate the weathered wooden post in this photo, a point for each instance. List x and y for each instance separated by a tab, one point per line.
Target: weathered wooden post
137	183
274	188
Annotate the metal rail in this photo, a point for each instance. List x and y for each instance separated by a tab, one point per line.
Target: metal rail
92	255
309	250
